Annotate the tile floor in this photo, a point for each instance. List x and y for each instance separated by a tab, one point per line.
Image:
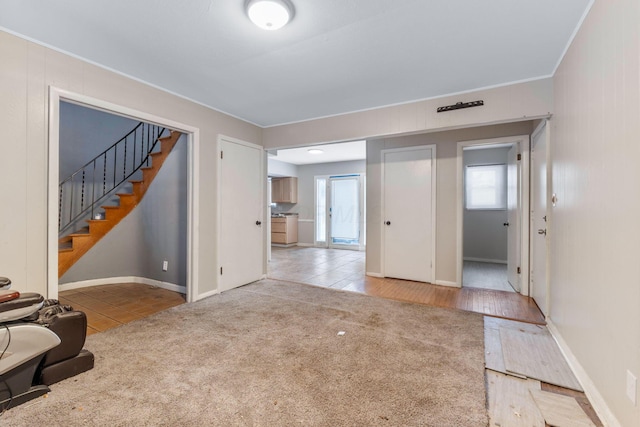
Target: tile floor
331	268
108	306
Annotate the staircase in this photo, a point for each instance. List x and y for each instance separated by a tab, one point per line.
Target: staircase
73	246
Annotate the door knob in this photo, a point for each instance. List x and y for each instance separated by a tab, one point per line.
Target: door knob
258	222
542	231
506	224
388	222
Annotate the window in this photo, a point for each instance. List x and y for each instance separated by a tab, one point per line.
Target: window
485	187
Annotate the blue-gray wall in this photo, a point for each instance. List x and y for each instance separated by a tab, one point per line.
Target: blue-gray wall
156	230
485	236
85	133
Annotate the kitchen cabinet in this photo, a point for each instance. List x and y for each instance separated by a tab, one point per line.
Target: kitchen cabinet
284	229
284	190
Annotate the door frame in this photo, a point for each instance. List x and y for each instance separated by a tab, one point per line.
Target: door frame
263	177
434	175
362	199
193	181
543	126
523	141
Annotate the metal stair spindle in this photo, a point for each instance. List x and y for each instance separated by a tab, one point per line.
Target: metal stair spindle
68	213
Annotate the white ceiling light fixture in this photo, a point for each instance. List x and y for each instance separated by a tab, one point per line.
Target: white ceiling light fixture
315	151
270	14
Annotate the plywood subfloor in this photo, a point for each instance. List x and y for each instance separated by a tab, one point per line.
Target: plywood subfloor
536	356
493	346
510	402
560	411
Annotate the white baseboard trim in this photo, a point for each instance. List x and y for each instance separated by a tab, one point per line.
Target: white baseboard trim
369	273
594	396
493	261
207	294
446	283
306	245
123	279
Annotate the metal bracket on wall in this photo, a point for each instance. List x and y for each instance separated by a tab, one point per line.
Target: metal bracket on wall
459	105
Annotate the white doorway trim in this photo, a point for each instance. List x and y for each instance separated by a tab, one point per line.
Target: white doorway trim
193	185
523	142
434	175
543	128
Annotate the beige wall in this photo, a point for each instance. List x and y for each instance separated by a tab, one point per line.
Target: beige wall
505	104
595	232
446	203
26	72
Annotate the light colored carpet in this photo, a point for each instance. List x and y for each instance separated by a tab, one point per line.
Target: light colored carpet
270	354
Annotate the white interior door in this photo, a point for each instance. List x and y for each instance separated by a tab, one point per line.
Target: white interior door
513	221
539	284
408	235
242	214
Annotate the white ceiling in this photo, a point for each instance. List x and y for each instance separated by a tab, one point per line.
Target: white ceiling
340	152
335	56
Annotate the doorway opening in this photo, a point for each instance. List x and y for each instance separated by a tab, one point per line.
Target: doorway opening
340	211
493	214
57	97
324	211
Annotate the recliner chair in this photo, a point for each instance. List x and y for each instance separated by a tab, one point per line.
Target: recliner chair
34	355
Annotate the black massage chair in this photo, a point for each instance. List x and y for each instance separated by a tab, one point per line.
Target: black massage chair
40	344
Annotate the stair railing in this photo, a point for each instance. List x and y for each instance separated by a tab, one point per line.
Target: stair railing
101	177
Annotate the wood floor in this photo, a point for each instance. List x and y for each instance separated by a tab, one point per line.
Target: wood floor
108	306
342	269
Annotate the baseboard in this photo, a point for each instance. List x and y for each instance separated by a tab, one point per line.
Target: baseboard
493	261
306	245
123	279
446	283
206	294
595	398
369	273
280	245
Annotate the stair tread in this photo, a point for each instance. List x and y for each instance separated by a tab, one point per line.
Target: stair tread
80	235
113	214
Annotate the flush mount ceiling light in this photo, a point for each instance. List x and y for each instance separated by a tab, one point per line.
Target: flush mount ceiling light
315	151
270	14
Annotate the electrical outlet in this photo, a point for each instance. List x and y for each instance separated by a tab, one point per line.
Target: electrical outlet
632	391
165	265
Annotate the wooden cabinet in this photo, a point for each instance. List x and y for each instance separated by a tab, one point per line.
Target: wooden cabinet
284	190
284	230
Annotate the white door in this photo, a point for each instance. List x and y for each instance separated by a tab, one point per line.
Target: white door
242	214
408	235
513	218
539	284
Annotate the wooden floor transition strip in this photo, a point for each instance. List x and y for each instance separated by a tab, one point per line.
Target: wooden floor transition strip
510	401
560	411
536	356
